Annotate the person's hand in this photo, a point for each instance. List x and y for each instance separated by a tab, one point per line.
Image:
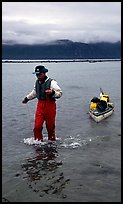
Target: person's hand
49	92
25	100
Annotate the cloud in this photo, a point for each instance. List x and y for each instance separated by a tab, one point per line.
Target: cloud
39	22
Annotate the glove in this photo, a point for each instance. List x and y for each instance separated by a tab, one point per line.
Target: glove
25	100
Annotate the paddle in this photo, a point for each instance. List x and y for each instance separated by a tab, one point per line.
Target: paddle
101	91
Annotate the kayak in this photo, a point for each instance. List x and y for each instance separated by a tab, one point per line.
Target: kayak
96	112
98	115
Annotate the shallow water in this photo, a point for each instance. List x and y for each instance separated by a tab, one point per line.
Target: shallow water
84	164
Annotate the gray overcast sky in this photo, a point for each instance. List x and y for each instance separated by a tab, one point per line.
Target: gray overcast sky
38	22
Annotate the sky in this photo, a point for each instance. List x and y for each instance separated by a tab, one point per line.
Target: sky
41	22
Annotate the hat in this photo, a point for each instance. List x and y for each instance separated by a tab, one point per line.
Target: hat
40	69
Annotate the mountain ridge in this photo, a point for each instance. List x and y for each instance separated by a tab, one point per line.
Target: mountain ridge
62	49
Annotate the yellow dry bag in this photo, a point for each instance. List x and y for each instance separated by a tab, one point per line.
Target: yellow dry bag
93	105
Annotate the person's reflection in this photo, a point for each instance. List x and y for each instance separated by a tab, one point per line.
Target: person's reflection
45	160
42	172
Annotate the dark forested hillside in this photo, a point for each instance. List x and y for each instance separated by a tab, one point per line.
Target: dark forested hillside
63	49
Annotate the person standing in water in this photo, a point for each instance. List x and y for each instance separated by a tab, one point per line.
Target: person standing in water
46	90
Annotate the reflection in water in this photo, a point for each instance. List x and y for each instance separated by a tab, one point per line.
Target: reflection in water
44	160
42	171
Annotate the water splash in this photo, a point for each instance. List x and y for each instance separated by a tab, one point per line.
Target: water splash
69	142
32	141
75	142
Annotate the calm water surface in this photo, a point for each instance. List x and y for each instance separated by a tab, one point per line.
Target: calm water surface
84	164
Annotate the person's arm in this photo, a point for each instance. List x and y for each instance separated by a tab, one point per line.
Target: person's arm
30	96
57	92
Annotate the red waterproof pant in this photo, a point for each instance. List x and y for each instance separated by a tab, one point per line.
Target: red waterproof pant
46	111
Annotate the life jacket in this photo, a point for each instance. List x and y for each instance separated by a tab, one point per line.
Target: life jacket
41	88
104	97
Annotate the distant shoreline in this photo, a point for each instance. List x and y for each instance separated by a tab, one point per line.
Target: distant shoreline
60	60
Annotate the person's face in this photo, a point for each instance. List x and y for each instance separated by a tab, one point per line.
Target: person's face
41	76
